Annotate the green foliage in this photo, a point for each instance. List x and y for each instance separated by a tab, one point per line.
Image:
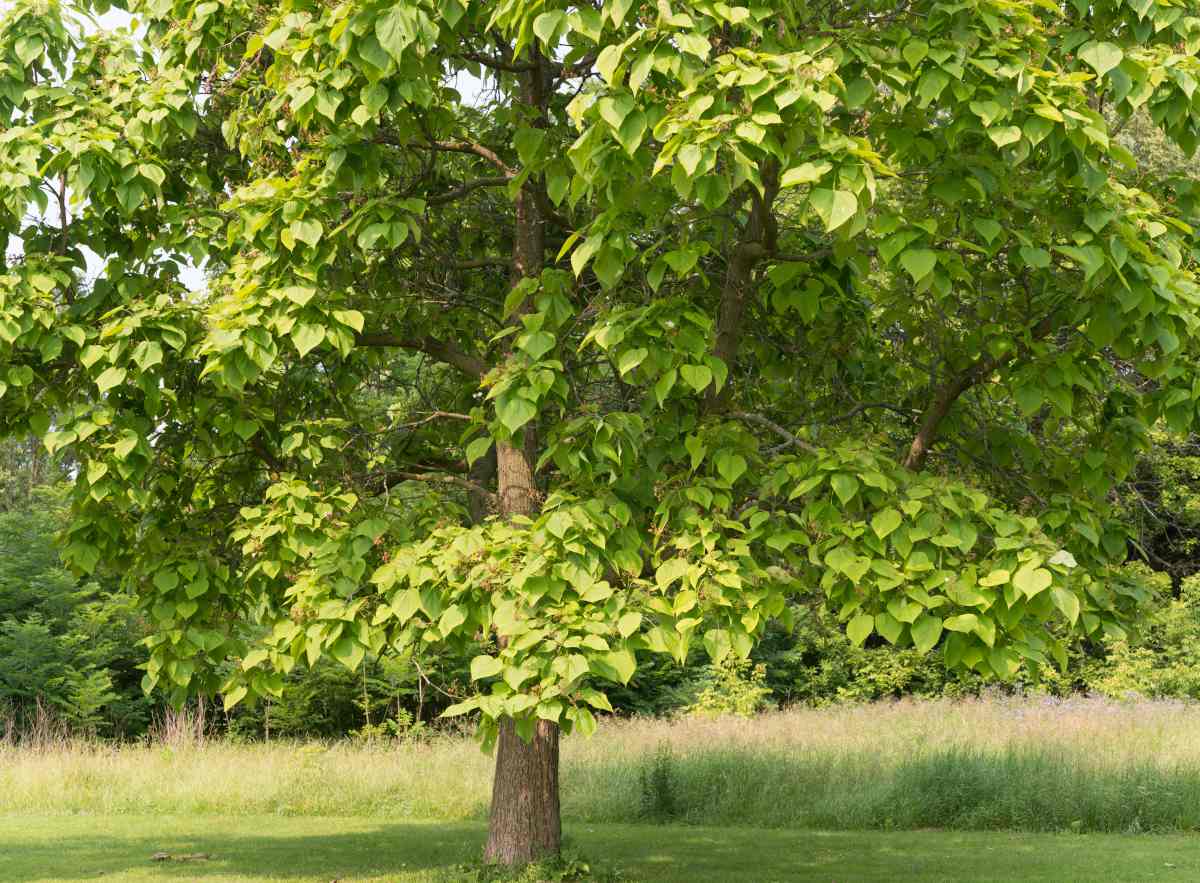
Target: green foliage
62	643
568	866
67	644
1162	498
1162	658
32	578
731	686
383	699
402	726
26	470
818	665
39	665
635	359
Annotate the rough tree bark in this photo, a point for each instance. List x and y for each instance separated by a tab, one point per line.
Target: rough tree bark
525	823
482	473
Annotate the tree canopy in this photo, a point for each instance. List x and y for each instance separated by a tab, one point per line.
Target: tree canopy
577	332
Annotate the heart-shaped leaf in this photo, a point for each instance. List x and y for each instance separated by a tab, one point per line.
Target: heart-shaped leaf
833	207
918	262
1101	57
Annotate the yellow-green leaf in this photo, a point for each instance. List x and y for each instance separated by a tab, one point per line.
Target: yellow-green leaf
860	628
833	207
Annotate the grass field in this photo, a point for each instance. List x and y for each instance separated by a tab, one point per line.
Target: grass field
994	789
256	848
996	764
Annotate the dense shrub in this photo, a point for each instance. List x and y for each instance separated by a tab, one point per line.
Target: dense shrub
385	697
1160	659
67	648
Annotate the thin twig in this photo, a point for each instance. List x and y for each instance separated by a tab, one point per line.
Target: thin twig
790	438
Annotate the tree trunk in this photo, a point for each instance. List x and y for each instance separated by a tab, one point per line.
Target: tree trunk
525	823
482	473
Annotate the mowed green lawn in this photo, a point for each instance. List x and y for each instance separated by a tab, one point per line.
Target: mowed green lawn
262	848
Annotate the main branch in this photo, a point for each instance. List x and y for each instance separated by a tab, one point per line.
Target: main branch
756	241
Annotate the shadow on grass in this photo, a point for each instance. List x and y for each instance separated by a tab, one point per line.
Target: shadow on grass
278	848
77	848
272	848
266	848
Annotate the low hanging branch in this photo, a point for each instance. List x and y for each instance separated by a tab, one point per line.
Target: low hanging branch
465	189
443	351
939	407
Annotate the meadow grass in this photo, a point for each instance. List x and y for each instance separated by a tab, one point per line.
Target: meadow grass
1083	765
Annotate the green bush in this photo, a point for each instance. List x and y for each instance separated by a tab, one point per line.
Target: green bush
67	646
731	686
1162	657
817	664
384	698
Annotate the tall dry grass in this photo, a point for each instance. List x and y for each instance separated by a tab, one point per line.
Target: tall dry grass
1024	764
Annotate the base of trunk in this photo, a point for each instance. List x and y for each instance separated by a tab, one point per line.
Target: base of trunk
525	824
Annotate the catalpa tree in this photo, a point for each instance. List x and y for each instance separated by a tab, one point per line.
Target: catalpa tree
564	334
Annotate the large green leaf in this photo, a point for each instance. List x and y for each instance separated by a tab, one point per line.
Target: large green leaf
926	630
514	412
348	651
485	667
1067	602
110	378
698	377
859	628
306	337
833	207
918	262
888	626
623	663
394	29
1101	56
845	486
885	521
1032	580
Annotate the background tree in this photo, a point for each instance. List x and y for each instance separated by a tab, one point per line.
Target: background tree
662	327
25	467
